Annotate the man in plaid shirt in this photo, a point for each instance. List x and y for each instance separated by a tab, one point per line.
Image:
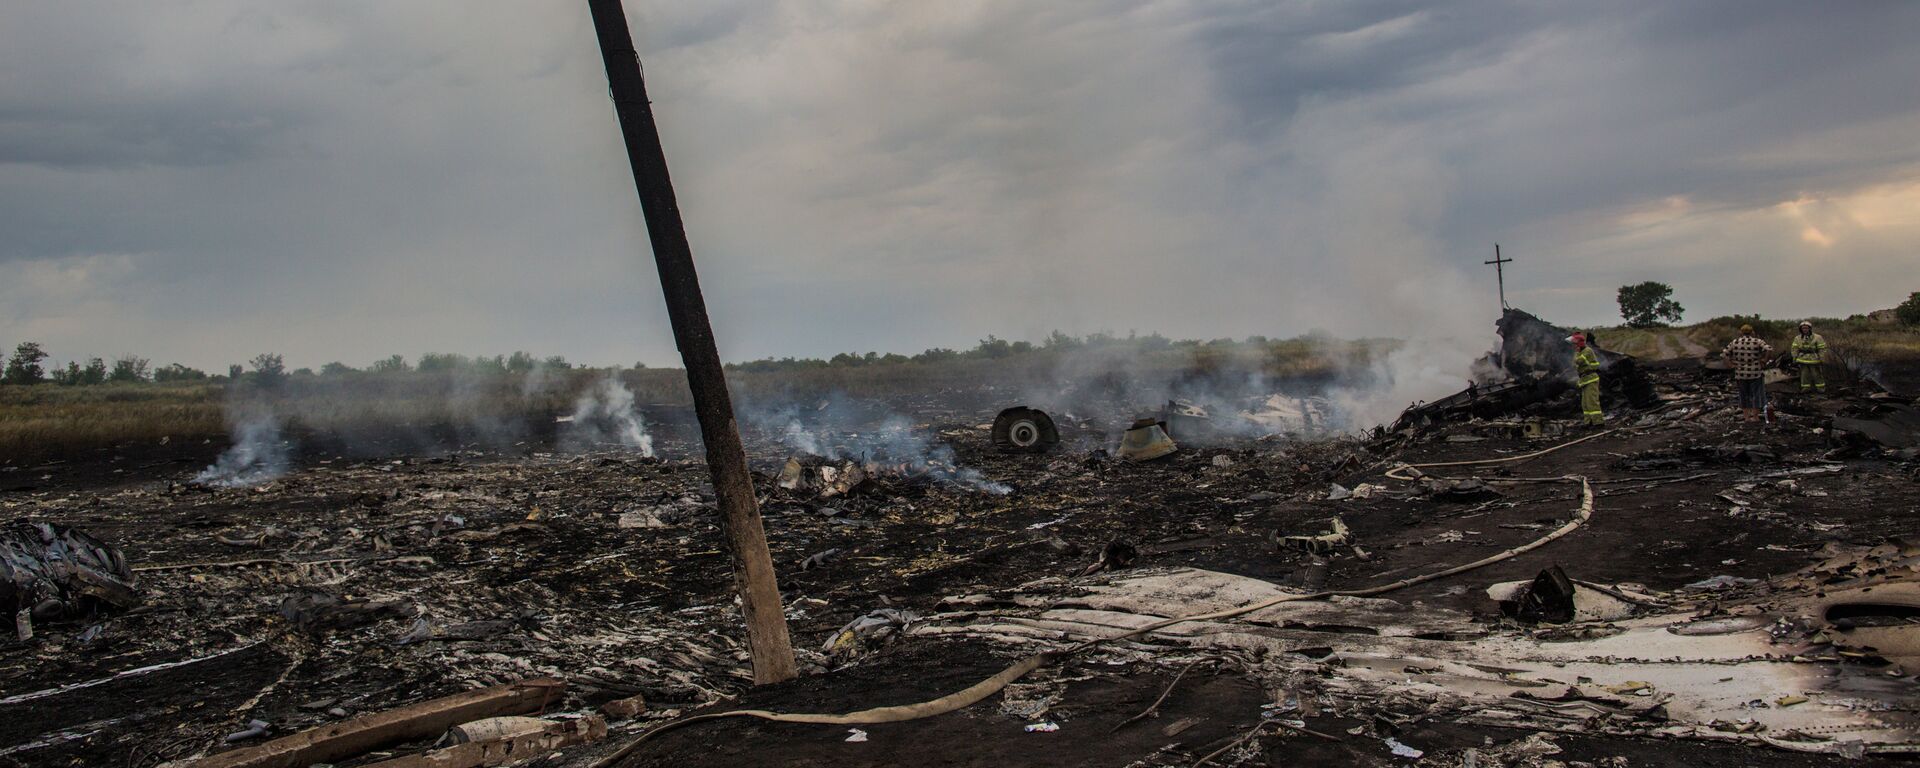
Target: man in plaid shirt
1749	355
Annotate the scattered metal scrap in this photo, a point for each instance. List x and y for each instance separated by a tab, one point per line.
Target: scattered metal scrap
50	571
1146	440
1319	544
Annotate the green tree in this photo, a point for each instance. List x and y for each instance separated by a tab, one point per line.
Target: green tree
1909	310
94	373
129	368
335	368
393	364
268	369
178	372
436	361
993	347
24	367
1649	304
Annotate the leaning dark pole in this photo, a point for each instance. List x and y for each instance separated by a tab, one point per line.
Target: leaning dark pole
726	459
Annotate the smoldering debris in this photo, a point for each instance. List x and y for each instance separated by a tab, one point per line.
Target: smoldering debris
259	454
605	417
824	478
1533	365
835	463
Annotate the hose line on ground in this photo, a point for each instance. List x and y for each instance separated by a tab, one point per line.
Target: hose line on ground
1393	473
980	691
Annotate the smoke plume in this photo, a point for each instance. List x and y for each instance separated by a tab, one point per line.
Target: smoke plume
258	454
841	428
604	417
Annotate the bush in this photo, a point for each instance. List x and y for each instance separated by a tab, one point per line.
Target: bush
1909	311
178	372
394	364
129	368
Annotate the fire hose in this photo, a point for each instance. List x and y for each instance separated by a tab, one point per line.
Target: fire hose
980	691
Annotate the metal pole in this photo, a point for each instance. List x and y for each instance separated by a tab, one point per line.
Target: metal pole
1499	274
726	459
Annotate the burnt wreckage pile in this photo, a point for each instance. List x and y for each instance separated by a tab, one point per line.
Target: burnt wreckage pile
1476	590
1533	366
50	572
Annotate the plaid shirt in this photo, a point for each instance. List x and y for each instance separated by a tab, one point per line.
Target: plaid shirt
1749	355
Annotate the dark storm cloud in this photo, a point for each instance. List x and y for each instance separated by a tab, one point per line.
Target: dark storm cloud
204	181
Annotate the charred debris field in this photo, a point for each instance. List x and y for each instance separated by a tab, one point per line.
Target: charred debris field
1675	588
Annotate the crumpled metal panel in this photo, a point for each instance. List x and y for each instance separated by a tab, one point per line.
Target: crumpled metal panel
57	571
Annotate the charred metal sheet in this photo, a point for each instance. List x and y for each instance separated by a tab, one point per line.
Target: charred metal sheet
1146	440
1186	420
1889	426
55	571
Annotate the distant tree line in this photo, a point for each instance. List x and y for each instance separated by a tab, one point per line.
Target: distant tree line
995	348
28	365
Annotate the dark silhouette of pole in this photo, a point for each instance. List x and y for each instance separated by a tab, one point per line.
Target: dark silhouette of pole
726	459
1500	274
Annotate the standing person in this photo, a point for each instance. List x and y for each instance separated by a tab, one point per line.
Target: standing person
1586	364
1808	352
1749	355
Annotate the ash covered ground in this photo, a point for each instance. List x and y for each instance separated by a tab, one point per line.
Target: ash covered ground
350	586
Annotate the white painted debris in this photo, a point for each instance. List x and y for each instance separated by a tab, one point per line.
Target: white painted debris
1402	750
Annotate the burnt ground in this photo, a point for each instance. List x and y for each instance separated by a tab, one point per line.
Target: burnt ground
498	566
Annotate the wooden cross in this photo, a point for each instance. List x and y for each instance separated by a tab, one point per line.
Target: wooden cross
1500	274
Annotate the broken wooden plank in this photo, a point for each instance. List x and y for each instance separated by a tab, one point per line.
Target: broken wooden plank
507	751
366	733
625	709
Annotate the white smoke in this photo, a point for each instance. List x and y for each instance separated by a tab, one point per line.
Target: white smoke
1352	392
1417	371
258	454
798	438
604	416
845	430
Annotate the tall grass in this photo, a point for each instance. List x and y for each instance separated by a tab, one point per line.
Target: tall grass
46	421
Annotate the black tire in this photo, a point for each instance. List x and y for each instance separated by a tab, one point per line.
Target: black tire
1025	430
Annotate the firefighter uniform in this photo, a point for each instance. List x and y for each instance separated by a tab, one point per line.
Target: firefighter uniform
1808	351
1587	365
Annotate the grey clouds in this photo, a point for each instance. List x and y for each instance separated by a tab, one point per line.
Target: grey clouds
340	181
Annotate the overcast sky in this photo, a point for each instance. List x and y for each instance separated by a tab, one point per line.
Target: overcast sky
200	182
